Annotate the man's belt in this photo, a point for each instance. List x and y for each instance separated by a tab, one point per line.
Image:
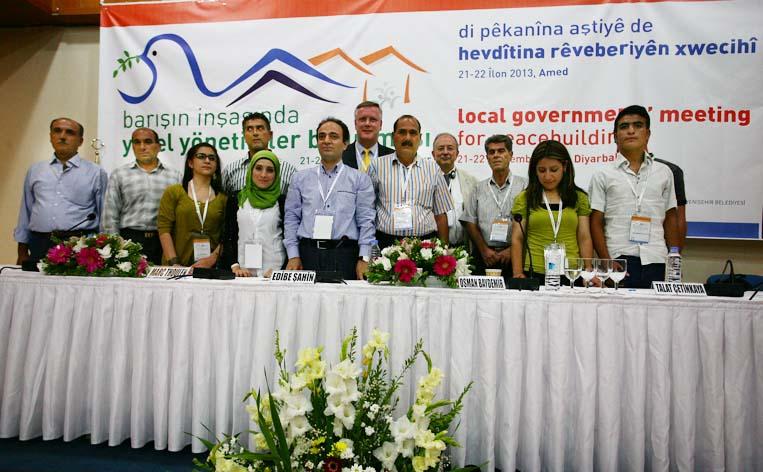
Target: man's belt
328	243
63	234
146	234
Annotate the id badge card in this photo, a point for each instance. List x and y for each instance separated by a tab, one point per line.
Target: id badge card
640	229
402	217
253	256
554	255
499	230
451	218
202	246
322	226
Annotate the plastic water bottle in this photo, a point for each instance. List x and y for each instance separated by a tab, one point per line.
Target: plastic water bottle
375	250
673	266
553	255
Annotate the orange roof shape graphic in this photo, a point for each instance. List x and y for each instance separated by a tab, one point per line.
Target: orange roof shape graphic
328	55
389	50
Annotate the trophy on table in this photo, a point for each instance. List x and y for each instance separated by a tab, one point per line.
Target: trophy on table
97	145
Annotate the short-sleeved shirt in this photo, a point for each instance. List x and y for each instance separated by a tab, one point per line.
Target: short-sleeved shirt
612	193
177	216
540	233
426	191
481	208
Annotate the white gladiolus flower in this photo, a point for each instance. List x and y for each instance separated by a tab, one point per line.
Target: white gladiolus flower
335	384
385	262
338	425
386	454
351	393
297	404
334	405
402	429
80	245
462	267
298	426
426	253
347	370
122	254
402	256
347	415
406	447
387	251
124	266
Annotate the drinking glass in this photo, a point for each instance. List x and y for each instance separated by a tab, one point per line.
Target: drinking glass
587	271
572	269
619	269
603	268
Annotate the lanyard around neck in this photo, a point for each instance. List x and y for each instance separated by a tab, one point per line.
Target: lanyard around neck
640	196
325	197
508	192
202	218
555	225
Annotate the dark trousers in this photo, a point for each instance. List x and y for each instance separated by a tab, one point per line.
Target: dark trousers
387	240
334	255
152	248
40	243
641	276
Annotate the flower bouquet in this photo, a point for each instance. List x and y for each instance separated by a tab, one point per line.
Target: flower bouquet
412	260
340	418
102	255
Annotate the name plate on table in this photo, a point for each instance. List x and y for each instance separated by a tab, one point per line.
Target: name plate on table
481	282
293	276
166	272
681	289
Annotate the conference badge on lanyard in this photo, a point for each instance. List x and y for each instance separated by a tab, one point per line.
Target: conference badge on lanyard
202	246
499	230
253	255
324	220
640	225
402	214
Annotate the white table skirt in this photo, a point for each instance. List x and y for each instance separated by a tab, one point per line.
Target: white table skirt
562	381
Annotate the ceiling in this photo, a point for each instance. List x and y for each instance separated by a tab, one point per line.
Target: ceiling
20	13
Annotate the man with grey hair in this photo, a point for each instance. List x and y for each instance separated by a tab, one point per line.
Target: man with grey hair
368	122
460	183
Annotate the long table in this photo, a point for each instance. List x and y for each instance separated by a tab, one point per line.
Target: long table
563	381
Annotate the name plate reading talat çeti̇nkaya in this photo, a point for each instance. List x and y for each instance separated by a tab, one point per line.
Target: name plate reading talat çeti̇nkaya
680	289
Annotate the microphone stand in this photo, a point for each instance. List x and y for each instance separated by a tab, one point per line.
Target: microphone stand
516	283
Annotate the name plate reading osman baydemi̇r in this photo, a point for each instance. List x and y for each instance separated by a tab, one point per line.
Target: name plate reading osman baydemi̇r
167	272
481	282
293	276
680	289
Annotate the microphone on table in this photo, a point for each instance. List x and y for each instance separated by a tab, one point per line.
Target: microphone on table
90	217
524	284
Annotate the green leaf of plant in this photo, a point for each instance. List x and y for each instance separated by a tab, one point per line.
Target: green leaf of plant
127	54
124	67
115	73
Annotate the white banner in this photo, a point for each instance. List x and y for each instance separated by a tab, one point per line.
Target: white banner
192	70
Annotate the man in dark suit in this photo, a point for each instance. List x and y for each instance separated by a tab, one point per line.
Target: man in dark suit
368	122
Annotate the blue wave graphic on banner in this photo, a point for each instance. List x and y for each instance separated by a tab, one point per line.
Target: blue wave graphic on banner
271	56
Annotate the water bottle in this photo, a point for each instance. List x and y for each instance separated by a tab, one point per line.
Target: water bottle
673	266
375	250
553	255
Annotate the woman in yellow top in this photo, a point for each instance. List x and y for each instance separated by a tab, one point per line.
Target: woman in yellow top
191	214
551	184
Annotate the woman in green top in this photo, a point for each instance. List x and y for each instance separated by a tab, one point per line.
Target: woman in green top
191	214
551	183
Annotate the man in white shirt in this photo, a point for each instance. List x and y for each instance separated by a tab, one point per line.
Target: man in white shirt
460	183
634	204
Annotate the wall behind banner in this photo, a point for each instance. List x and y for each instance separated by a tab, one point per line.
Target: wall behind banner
49	72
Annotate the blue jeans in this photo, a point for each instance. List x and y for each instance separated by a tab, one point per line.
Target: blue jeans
642	276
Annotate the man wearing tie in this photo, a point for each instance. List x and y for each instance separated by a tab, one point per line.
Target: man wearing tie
63	195
368	122
460	183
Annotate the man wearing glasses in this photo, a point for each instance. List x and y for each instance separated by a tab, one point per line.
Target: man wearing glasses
132	197
634	203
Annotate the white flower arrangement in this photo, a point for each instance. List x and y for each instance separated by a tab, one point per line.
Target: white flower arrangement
340	419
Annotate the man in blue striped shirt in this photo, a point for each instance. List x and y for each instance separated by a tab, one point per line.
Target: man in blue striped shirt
412	198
